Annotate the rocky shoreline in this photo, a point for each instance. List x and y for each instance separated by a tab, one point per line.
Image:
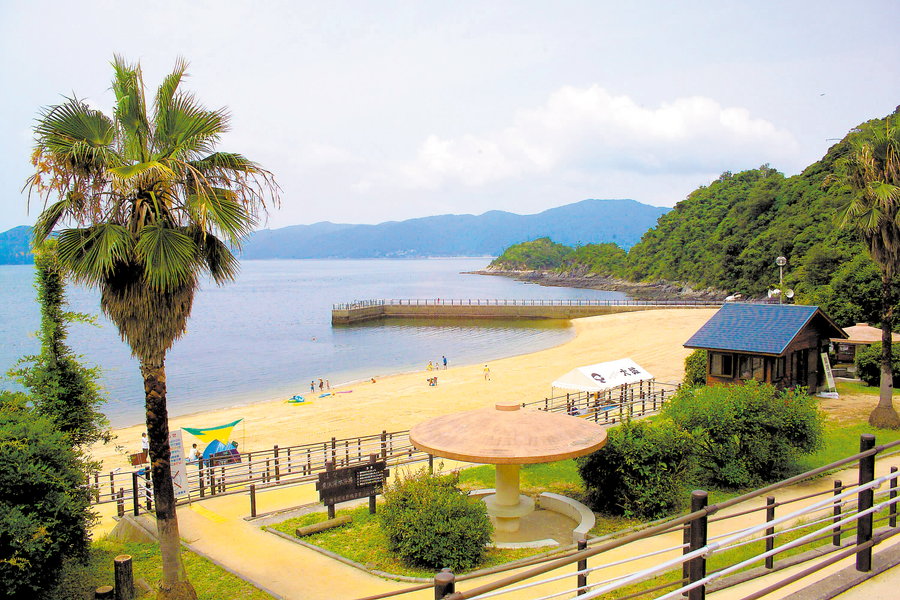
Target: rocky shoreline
636	290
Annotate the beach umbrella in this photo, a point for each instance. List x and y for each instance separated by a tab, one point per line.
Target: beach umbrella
221	433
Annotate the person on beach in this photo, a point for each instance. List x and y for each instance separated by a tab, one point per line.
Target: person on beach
195	454
445	362
487	373
430	366
321	384
312	386
145	443
327	385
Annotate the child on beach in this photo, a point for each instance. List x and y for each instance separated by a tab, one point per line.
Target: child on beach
487	373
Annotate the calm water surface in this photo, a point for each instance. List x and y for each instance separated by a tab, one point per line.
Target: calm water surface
270	333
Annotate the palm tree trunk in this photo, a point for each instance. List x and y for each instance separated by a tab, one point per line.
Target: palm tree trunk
884	415
174	584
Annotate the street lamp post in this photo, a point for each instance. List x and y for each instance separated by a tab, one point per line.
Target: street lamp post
781	261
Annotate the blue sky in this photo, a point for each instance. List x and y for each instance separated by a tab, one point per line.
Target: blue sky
374	111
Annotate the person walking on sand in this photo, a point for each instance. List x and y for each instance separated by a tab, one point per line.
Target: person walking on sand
327	385
487	373
445	362
321	384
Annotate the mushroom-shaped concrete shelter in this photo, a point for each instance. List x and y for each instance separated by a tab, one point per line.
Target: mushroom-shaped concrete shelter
507	437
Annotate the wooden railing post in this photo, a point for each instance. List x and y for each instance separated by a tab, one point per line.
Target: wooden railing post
582	566
201	477
697	567
836	532
864	502
329	466
770	531
892	511
277	470
135	501
124	577
444	583
253	500
120	502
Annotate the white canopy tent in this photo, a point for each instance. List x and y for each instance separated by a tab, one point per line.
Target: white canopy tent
603	376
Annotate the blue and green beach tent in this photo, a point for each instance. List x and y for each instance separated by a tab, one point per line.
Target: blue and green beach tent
216	438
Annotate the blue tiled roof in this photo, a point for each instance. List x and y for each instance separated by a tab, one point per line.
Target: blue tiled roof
756	328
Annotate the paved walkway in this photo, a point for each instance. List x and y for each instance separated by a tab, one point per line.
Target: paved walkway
216	528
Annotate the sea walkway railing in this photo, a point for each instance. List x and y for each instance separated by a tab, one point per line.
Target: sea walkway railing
524	302
255	471
714	547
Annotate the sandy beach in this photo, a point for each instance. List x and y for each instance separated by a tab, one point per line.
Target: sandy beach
652	338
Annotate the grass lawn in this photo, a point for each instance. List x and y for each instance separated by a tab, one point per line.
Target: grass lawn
856	387
80	578
364	542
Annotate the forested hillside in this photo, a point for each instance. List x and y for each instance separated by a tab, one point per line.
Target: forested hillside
727	235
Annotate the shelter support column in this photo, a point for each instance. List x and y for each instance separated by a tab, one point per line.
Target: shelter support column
506	506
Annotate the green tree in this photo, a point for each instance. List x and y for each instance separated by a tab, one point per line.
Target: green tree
430	522
152	207
872	170
62	388
44	499
747	434
641	471
695	368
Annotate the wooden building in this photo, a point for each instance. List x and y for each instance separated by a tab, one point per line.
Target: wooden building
861	334
780	344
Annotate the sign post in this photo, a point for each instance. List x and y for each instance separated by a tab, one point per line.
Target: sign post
178	464
351	483
831	389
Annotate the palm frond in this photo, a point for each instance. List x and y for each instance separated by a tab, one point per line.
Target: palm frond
91	253
217	257
217	210
166	93
189	130
143	173
131	108
168	254
50	216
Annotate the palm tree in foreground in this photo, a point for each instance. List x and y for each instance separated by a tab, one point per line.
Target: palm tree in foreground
872	169
151	208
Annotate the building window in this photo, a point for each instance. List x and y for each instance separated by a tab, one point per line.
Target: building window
751	367
778	371
721	365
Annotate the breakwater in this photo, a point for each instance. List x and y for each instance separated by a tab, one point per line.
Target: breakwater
439	308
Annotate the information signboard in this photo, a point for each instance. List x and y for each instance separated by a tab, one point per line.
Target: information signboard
352	483
178	464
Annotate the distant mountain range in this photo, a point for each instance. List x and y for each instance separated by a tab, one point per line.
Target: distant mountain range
15	246
589	221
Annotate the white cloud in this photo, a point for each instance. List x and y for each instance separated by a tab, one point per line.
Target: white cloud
590	129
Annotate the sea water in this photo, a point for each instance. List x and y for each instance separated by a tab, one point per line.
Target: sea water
269	334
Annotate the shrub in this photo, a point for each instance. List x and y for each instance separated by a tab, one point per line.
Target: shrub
695	368
868	364
431	523
640	472
44	499
747	434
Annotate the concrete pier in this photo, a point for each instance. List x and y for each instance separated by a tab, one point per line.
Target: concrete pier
367	310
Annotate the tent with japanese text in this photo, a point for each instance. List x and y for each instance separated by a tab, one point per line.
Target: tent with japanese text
603	376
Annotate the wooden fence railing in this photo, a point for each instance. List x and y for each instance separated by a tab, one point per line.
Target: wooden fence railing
302	463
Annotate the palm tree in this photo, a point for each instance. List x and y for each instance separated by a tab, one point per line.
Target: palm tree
872	170
152	208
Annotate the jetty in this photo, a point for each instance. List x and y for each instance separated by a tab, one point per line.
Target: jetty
440	308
